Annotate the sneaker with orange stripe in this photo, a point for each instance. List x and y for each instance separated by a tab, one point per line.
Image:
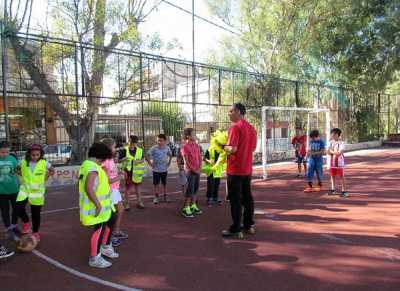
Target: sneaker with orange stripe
308	189
317	189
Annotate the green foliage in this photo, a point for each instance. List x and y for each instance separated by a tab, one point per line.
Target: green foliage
360	39
172	117
331	41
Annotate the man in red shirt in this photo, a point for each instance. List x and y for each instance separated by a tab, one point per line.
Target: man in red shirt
242	140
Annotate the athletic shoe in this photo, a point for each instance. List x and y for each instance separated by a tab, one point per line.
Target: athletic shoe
108	251
217	201
331	192
115	241
5	253
167	199
195	209
317	189
10	234
210	202
187	212
140	205
36	235
344	194
26	228
251	230
16	230
229	234
126	204
99	262
308	189
120	235
156	200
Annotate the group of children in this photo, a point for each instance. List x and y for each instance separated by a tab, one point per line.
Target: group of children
311	158
101	203
100	199
21	184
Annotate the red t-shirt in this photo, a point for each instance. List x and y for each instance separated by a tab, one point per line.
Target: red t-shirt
243	136
300	145
191	153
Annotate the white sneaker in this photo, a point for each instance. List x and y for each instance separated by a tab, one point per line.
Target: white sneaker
4	253
99	262
156	200
108	251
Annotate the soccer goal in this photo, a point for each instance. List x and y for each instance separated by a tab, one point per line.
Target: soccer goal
279	127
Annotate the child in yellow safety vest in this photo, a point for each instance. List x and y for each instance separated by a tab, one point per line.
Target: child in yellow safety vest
95	203
215	165
132	159
214	175
34	171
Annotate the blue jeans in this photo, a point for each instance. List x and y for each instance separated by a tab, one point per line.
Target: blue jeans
314	166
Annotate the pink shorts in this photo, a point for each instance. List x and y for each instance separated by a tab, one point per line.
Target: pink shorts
336	172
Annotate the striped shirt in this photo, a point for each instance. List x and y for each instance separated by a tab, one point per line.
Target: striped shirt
336	161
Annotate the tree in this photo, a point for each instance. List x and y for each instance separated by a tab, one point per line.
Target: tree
172	117
341	42
360	39
105	25
274	35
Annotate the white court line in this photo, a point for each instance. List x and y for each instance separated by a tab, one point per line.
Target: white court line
335	238
203	188
59	210
82	275
126	288
131	199
348	166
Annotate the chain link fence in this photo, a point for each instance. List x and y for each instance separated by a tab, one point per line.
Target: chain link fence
66	95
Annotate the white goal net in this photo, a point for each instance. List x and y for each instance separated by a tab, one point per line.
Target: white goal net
279	126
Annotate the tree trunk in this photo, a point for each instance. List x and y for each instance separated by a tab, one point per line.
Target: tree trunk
82	132
99	60
52	100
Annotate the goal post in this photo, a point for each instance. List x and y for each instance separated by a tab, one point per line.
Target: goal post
279	127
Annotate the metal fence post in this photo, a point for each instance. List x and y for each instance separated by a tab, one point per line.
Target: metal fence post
78	123
389	115
141	98
219	87
379	115
194	95
4	67
296	93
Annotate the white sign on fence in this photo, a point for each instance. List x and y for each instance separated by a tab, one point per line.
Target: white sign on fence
64	176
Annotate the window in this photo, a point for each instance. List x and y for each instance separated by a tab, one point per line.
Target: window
51	150
65	149
284	132
269	133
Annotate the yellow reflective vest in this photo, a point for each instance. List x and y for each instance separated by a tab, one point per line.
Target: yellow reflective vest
33	182
87	207
137	169
219	168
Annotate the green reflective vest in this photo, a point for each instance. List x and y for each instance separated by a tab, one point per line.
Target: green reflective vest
217	169
33	182
87	207
137	169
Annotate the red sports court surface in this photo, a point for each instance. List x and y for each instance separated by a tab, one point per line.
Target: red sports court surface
304	241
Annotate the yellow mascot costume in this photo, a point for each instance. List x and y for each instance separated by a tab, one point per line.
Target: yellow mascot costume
217	142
